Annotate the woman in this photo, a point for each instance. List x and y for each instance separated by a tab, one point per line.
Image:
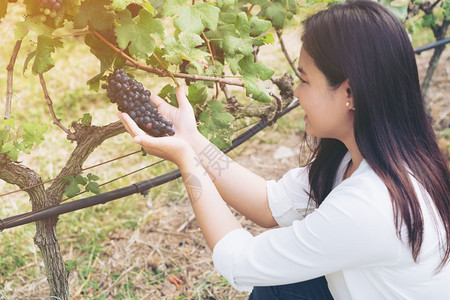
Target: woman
381	229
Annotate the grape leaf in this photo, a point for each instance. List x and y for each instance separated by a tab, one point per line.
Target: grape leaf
254	90
208	13
94	14
215	124
86	120
197	94
34	134
258	26
45	47
3	8
400	11
171	7
92	187
258	69
10	149
92	177
188	21
80	180
137	35
72	189
29	57
31	24
119	5
184	48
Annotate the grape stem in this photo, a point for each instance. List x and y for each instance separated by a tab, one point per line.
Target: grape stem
49	102
165	69
283	48
160	73
212	60
9	84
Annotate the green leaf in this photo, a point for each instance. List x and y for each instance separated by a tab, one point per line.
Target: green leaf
3	8
188	21
184	48
215	124
258	69
233	62
31	24
8	122
234	44
171	7
86	120
258	26
119	5
9	148
72	189
79	179
255	91
45	47
166	91
137	35
94	14
94	82
92	177
105	55
222	119
400	11
92	187
429	20
34	134
208	13
71	265
29	57
197	94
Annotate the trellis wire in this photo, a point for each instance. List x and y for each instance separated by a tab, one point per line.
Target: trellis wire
141	187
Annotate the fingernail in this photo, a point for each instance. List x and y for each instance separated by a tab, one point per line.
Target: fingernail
137	139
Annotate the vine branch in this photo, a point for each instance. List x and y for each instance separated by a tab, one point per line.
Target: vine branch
160	73
49	102
88	138
9	84
286	54
212	60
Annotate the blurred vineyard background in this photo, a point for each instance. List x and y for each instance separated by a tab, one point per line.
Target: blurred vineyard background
139	247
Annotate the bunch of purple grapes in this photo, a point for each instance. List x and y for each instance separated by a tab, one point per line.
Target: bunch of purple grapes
52	5
132	98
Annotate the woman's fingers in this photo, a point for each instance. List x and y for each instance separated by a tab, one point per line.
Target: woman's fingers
181	97
157	100
130	125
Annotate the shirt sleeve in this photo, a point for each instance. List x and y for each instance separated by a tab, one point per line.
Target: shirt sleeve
348	230
288	198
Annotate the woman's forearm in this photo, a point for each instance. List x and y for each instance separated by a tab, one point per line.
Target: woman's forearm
212	213
239	187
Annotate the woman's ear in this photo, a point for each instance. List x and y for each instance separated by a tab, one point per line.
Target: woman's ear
349	103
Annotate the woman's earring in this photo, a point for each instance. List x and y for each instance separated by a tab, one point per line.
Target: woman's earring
347	104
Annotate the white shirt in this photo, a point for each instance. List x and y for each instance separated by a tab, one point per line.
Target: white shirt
351	238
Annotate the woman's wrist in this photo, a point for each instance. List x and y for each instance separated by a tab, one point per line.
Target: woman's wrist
186	158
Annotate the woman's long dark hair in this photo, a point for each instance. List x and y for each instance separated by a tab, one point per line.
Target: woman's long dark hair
362	41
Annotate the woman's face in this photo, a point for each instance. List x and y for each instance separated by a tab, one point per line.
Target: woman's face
326	112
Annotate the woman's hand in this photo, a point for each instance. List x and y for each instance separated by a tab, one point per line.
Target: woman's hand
173	148
170	148
183	117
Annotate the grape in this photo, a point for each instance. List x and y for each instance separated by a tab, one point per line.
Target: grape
50	6
132	98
